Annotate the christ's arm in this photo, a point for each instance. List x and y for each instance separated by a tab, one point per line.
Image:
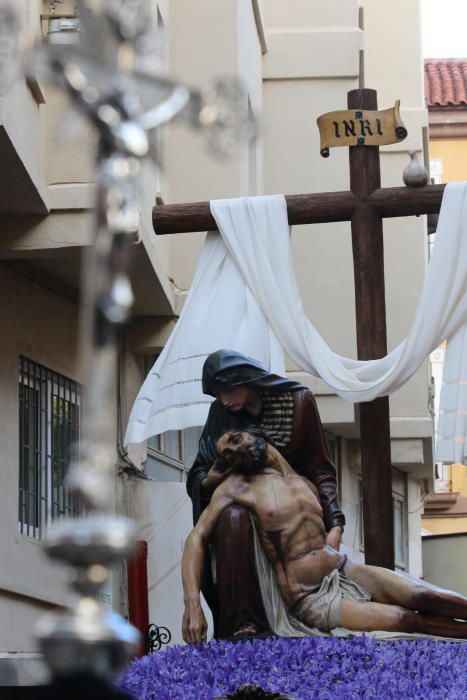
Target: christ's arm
194	626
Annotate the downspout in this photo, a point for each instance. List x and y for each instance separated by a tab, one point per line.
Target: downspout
138	600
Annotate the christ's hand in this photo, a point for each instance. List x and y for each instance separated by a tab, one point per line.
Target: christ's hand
194	626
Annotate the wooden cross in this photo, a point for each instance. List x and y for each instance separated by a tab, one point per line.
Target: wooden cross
365	205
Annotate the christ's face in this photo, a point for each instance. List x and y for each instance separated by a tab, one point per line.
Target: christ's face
245	452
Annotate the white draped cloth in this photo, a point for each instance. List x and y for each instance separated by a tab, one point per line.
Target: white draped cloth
245	297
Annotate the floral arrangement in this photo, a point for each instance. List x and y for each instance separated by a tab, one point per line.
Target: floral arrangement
324	668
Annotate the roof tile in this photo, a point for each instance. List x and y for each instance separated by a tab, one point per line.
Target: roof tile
446	82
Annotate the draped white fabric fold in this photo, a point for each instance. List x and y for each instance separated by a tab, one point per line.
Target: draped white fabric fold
220	311
245	297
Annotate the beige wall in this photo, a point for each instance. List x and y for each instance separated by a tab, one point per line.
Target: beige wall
69	142
393	54
310	13
19	616
454	156
219	39
445	526
459	478
42	327
444	561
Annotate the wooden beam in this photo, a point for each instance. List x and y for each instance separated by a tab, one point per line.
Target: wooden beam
406	201
301	208
309	208
370	309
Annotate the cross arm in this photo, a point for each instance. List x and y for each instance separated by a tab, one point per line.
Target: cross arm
406	201
320	208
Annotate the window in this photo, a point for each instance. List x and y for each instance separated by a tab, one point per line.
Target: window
361	531
400	530
171	454
399	509
49	424
165	456
333	443
436	170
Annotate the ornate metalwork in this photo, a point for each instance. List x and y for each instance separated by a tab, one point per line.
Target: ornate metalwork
250	691
157	637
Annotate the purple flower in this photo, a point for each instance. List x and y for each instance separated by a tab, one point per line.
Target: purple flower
325	668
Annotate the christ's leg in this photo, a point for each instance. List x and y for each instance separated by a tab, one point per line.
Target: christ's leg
369	617
393	588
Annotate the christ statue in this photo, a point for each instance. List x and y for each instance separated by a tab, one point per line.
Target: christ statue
320	586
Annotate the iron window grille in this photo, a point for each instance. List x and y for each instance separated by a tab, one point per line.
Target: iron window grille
49	425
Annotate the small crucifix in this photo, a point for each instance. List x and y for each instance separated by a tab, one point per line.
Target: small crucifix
365	205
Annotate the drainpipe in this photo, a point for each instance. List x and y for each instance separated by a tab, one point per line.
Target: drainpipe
138	601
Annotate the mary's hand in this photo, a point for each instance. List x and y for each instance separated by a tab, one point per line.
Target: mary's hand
214	477
194	626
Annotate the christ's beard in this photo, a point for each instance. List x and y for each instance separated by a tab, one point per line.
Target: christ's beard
253	457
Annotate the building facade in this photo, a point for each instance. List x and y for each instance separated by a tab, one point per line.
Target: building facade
299	59
444	519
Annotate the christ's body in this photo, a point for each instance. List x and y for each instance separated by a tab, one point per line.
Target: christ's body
289	521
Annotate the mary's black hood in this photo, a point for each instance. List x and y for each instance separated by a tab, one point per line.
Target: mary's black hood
225	369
